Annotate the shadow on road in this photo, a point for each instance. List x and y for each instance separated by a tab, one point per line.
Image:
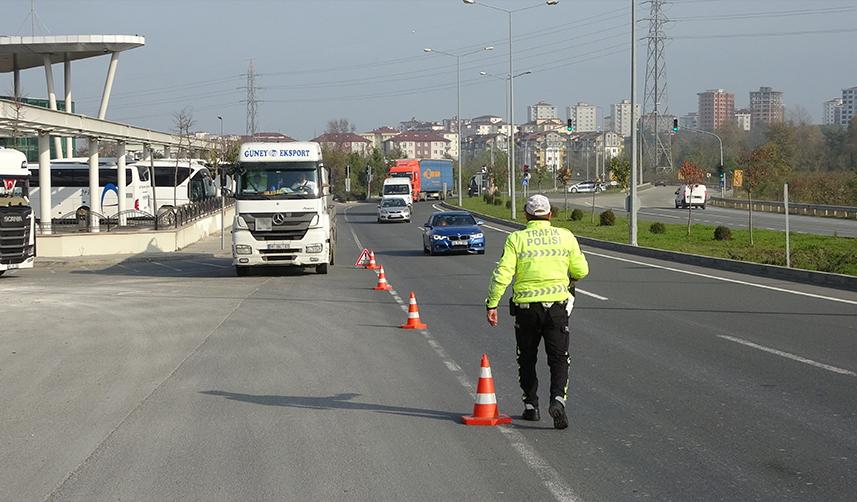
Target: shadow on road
188	265
343	401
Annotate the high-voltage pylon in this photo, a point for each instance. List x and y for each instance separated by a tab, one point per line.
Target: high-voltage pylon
252	101
657	146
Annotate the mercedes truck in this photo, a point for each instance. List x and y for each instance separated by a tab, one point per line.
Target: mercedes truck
284	213
17	221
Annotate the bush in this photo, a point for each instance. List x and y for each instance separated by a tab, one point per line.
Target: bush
722	233
488	198
577	215
658	228
509	204
498	201
607	218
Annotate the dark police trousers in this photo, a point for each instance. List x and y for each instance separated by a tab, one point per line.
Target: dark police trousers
531	325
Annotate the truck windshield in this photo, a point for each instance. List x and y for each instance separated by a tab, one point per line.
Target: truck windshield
286	180
396	190
13	190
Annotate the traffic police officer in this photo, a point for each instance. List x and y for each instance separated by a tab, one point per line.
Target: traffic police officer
542	258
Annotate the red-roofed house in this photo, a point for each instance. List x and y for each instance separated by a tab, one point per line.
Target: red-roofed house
380	135
419	145
346	141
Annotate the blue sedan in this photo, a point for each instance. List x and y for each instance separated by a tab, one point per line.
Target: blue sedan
453	231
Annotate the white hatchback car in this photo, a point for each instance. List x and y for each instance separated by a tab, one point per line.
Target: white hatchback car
393	209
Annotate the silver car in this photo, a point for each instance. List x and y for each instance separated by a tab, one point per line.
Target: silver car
394	209
586	186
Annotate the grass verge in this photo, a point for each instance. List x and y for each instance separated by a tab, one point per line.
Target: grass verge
808	251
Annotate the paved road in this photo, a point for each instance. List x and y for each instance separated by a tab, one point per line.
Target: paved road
174	380
657	204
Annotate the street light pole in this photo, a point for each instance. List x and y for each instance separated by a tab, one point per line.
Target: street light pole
509	175
720	142
458	107
511	90
632	227
222	184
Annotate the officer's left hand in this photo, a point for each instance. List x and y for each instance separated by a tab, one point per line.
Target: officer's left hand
492	317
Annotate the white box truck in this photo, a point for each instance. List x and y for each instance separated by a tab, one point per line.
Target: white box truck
284	213
17	221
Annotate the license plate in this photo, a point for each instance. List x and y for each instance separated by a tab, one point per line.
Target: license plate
278	246
459	243
12	266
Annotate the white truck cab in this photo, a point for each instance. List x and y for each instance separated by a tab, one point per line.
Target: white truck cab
17	221
284	213
398	187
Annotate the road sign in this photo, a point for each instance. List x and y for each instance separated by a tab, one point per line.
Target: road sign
738	178
525	181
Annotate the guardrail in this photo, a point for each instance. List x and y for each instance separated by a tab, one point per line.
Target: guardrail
168	217
767	206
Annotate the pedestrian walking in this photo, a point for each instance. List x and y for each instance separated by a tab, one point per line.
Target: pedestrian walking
544	261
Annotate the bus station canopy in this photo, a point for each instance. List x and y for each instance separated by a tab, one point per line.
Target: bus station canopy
28	52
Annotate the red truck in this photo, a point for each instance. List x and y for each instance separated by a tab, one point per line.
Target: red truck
430	178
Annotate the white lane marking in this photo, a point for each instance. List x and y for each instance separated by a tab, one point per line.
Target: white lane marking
726	279
497	229
549	476
212	265
789	355
126	267
174	269
353	234
593	295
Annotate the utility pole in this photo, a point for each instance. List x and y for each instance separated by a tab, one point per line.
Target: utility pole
657	150
252	100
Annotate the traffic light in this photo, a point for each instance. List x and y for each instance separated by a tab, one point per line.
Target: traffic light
569	125
526	169
675	125
722	172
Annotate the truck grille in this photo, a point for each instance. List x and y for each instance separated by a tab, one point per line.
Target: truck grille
286	226
14	234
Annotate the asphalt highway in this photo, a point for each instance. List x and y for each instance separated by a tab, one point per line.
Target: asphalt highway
658	204
171	379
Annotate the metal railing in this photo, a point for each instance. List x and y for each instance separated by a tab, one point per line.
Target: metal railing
847	212
132	220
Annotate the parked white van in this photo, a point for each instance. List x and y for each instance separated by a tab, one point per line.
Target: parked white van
691	196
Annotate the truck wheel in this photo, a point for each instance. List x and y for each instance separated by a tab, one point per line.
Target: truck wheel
322	269
2	272
242	271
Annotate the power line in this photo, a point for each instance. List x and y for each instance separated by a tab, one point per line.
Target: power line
762	35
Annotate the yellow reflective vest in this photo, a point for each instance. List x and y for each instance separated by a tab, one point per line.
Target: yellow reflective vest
542	259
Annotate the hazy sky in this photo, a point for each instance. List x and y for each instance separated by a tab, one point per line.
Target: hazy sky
363	59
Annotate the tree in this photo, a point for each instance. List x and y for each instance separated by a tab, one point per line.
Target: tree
692	175
341	125
620	170
758	166
183	121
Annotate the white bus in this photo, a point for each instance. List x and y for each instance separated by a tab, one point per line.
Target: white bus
179	182
70	187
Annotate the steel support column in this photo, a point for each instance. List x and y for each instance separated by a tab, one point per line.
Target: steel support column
94	185
45	182
52	98
121	181
108	85
69	149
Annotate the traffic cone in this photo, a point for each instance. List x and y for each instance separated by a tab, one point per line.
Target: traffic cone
382	285
413	315
485	410
372	265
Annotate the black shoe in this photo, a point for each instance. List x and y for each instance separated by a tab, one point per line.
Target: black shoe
531	413
557	411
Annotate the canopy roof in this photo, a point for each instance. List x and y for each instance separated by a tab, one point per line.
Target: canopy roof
28	52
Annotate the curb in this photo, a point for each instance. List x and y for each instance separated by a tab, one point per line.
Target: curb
838	281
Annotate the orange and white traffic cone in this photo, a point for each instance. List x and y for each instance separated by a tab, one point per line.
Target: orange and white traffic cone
413	315
372	265
485	410
382	285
